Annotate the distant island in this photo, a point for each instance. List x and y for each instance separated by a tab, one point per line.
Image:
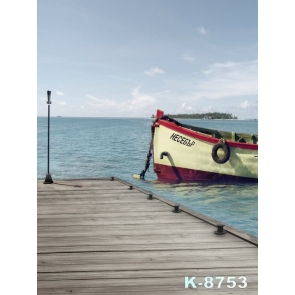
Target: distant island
205	116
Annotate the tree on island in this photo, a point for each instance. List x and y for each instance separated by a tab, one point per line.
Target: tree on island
209	116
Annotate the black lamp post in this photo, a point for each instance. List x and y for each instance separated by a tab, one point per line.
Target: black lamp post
48	178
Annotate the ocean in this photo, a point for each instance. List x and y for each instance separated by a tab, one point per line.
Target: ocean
105	147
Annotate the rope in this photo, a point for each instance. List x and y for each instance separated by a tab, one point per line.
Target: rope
148	155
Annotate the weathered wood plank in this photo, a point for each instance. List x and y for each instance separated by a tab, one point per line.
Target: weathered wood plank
154	215
90	193
103	208
194	255
127	240
125	230
90	198
95	210
123	227
136	246
139	265
110	207
77	185
140	204
235	271
104	219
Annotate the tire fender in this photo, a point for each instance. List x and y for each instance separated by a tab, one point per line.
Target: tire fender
221	145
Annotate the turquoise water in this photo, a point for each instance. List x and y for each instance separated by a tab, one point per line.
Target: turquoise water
105	147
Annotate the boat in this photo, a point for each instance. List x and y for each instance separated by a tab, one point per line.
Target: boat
188	153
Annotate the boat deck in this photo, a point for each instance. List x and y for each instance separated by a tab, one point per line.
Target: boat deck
99	236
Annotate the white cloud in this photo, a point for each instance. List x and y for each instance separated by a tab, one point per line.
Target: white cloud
202	31
43	98
227	80
140	100
230	68
102	103
139	104
207	109
184	107
153	71
163	92
246	104
62	103
59	93
187	57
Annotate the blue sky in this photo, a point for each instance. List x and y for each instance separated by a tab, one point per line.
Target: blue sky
128	58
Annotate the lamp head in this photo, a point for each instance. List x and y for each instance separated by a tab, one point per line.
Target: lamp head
48	97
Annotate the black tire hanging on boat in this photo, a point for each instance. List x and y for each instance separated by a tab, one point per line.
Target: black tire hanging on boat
225	148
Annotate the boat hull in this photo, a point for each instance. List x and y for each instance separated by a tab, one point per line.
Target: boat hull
180	154
176	174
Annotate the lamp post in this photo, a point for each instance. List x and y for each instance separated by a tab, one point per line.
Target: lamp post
48	178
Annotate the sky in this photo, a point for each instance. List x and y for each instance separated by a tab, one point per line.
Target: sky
110	58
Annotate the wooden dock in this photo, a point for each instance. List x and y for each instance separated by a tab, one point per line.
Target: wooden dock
101	236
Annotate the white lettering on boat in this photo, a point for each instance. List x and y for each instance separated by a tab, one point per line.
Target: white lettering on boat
182	140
